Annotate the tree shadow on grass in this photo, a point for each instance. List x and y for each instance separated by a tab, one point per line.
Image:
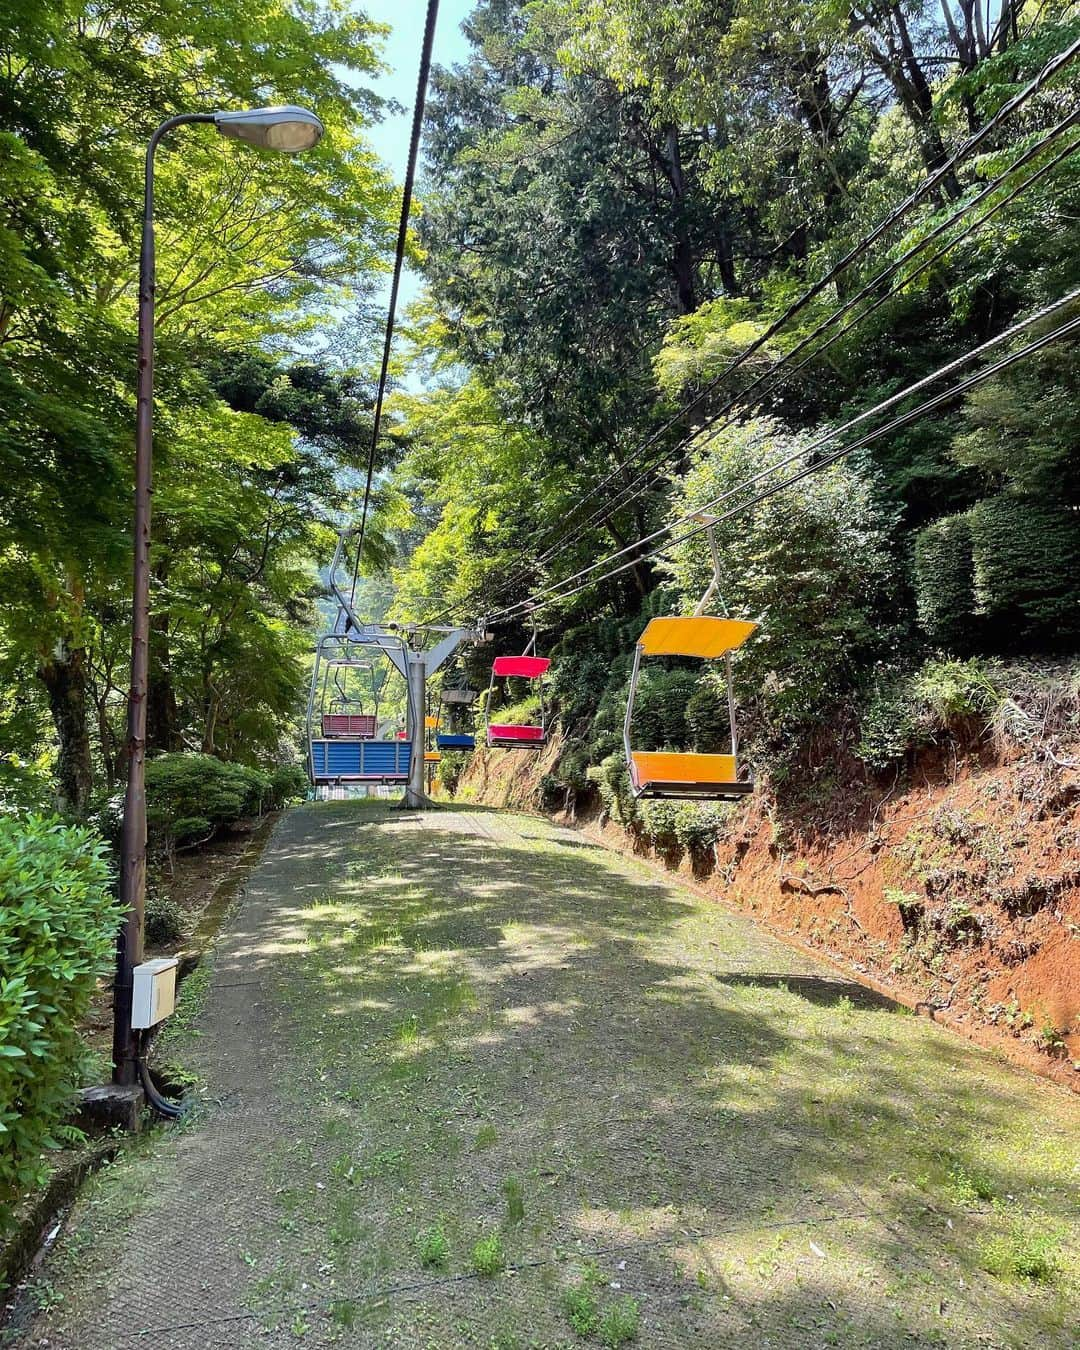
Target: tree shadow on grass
825	990
478	1008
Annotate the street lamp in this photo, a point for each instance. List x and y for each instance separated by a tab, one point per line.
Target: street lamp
281	128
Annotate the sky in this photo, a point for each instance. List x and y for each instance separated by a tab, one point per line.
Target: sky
401	53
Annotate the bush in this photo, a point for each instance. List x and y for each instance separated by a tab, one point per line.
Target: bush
887	727
945	581
1026	557
164	922
288	783
452	766
189	797
57	929
905	712
613	783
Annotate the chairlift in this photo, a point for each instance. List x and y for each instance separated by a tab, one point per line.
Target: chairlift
517	735
689	775
455	697
347	748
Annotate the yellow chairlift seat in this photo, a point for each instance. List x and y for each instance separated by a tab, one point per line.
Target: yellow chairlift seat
665	773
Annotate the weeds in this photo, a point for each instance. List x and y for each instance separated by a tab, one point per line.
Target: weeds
1022	1255
967	1188
620	1323
344	1312
488	1257
582	1311
433	1249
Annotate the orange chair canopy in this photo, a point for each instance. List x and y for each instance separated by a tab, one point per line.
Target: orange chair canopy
699	635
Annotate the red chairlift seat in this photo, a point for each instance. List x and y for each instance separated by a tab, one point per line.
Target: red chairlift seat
349	724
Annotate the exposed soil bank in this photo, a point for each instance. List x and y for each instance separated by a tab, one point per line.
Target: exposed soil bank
958	891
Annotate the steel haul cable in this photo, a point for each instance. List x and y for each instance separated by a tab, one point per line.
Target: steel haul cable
558	591
924	189
629	493
1046	167
399	259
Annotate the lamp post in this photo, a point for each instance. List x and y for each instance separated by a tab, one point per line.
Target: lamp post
281	128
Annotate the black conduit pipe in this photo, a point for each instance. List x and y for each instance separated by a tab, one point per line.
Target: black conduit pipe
169	1110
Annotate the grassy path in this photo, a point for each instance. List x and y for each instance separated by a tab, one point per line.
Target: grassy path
469	1080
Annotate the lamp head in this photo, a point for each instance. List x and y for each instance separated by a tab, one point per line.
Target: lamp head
283	128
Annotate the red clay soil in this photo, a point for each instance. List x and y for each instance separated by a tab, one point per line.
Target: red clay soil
957	892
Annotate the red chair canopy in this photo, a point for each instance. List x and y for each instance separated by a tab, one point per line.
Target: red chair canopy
525	667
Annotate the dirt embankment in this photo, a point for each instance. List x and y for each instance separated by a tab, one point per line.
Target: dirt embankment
956	891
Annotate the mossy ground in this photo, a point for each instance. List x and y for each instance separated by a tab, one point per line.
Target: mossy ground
625	1113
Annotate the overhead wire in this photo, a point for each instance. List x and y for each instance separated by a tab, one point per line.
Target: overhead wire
924	189
907	279
559	591
422	78
630	493
1065	330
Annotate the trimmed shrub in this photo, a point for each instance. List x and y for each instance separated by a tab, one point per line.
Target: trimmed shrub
945	581
57	931
164	922
1026	564
190	797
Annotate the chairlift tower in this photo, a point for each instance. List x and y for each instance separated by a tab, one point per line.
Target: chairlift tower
416	651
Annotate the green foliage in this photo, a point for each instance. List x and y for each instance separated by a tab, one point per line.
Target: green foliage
814	567
488	1257
164	920
612	781
1022	1254
945	581
619	1323
581	1308
253	251
433	1249
190	796
57	929
906	711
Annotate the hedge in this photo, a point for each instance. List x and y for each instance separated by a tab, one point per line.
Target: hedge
189	797
58	924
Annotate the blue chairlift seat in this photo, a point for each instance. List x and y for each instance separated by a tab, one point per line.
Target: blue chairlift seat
448	740
360	761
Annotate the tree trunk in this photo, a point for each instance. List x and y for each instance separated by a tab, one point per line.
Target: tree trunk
682	261
162	715
64	675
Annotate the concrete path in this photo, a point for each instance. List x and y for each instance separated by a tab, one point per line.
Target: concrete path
470	1080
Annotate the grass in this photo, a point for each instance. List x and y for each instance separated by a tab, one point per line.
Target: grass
515	1199
619	1323
524	1044
488	1257
433	1248
1022	1254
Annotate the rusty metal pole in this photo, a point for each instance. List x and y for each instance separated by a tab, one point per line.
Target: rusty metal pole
129	948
